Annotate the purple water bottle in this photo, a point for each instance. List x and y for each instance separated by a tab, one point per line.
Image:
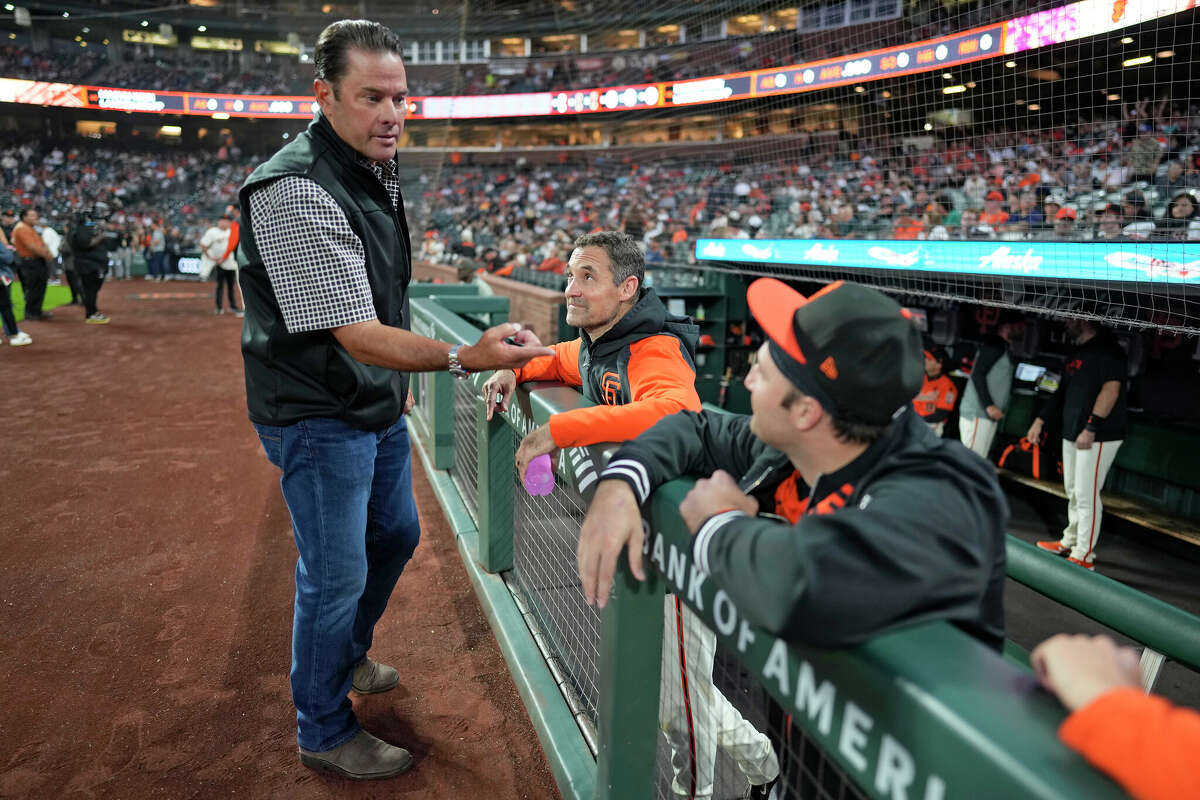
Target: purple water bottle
539	476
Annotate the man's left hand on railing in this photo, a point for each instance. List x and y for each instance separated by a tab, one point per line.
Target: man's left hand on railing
498	391
537	442
408	403
712	496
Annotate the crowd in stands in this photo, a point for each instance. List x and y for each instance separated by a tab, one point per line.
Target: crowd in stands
1133	179
177	191
180	69
212	73
1129	179
67	65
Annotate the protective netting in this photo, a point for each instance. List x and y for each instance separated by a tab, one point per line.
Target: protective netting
1039	156
466	446
545	584
723	736
545	534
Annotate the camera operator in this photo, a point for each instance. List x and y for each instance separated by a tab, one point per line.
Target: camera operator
92	240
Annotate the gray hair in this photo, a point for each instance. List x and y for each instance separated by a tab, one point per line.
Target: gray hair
623	252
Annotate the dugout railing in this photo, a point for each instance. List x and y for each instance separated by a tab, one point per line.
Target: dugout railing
925	712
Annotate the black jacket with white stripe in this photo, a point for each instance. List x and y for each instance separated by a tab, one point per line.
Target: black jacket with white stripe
912	530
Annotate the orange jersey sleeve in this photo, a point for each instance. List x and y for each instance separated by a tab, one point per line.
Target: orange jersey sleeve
562	366
660	382
1142	741
947	393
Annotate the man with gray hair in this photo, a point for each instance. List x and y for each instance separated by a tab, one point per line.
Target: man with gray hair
635	360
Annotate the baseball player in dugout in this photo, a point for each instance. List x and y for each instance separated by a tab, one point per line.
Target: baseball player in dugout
935	401
1090	405
831	484
986	396
325	262
635	360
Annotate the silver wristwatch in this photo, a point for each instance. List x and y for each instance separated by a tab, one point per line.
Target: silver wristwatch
455	366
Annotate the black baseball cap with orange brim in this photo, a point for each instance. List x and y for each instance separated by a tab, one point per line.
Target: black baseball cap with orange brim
850	347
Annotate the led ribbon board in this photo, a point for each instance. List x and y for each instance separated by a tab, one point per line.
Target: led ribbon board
1074	21
1144	262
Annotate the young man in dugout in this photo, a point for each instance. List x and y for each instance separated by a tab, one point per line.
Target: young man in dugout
635	360
859	491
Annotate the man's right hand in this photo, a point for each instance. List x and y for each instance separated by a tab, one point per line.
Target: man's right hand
498	391
1035	431
492	352
1078	669
613	524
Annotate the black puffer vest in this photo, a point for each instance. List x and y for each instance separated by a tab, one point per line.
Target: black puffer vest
291	377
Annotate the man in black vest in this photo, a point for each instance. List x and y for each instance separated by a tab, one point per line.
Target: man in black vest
325	264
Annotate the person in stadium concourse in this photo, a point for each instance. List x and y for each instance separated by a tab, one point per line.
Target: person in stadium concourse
635	360
91	241
325	261
1090	409
33	260
8	257
857	489
985	397
1140	740
8	221
217	248
935	401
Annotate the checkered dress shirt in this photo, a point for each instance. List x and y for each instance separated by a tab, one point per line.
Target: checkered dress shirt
316	264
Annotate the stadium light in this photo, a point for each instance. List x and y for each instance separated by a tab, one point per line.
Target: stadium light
1126	40
928	126
66	14
1010	64
1035	107
145	23
959	89
9	7
202	28
1135	62
1112	98
220	115
1165	53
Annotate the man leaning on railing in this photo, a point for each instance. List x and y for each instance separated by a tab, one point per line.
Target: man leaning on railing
635	360
874	522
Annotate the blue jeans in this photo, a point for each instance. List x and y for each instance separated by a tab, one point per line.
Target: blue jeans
350	496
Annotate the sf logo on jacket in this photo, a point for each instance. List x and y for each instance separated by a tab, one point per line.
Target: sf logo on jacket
611	389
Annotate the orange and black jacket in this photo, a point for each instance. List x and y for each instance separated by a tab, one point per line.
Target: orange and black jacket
936	399
639	371
1142	741
913	529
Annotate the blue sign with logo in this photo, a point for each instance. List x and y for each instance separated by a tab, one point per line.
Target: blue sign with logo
1146	262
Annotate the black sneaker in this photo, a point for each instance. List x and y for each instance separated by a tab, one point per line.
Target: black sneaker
763	791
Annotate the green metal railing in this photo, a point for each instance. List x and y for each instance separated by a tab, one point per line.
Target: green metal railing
923	712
